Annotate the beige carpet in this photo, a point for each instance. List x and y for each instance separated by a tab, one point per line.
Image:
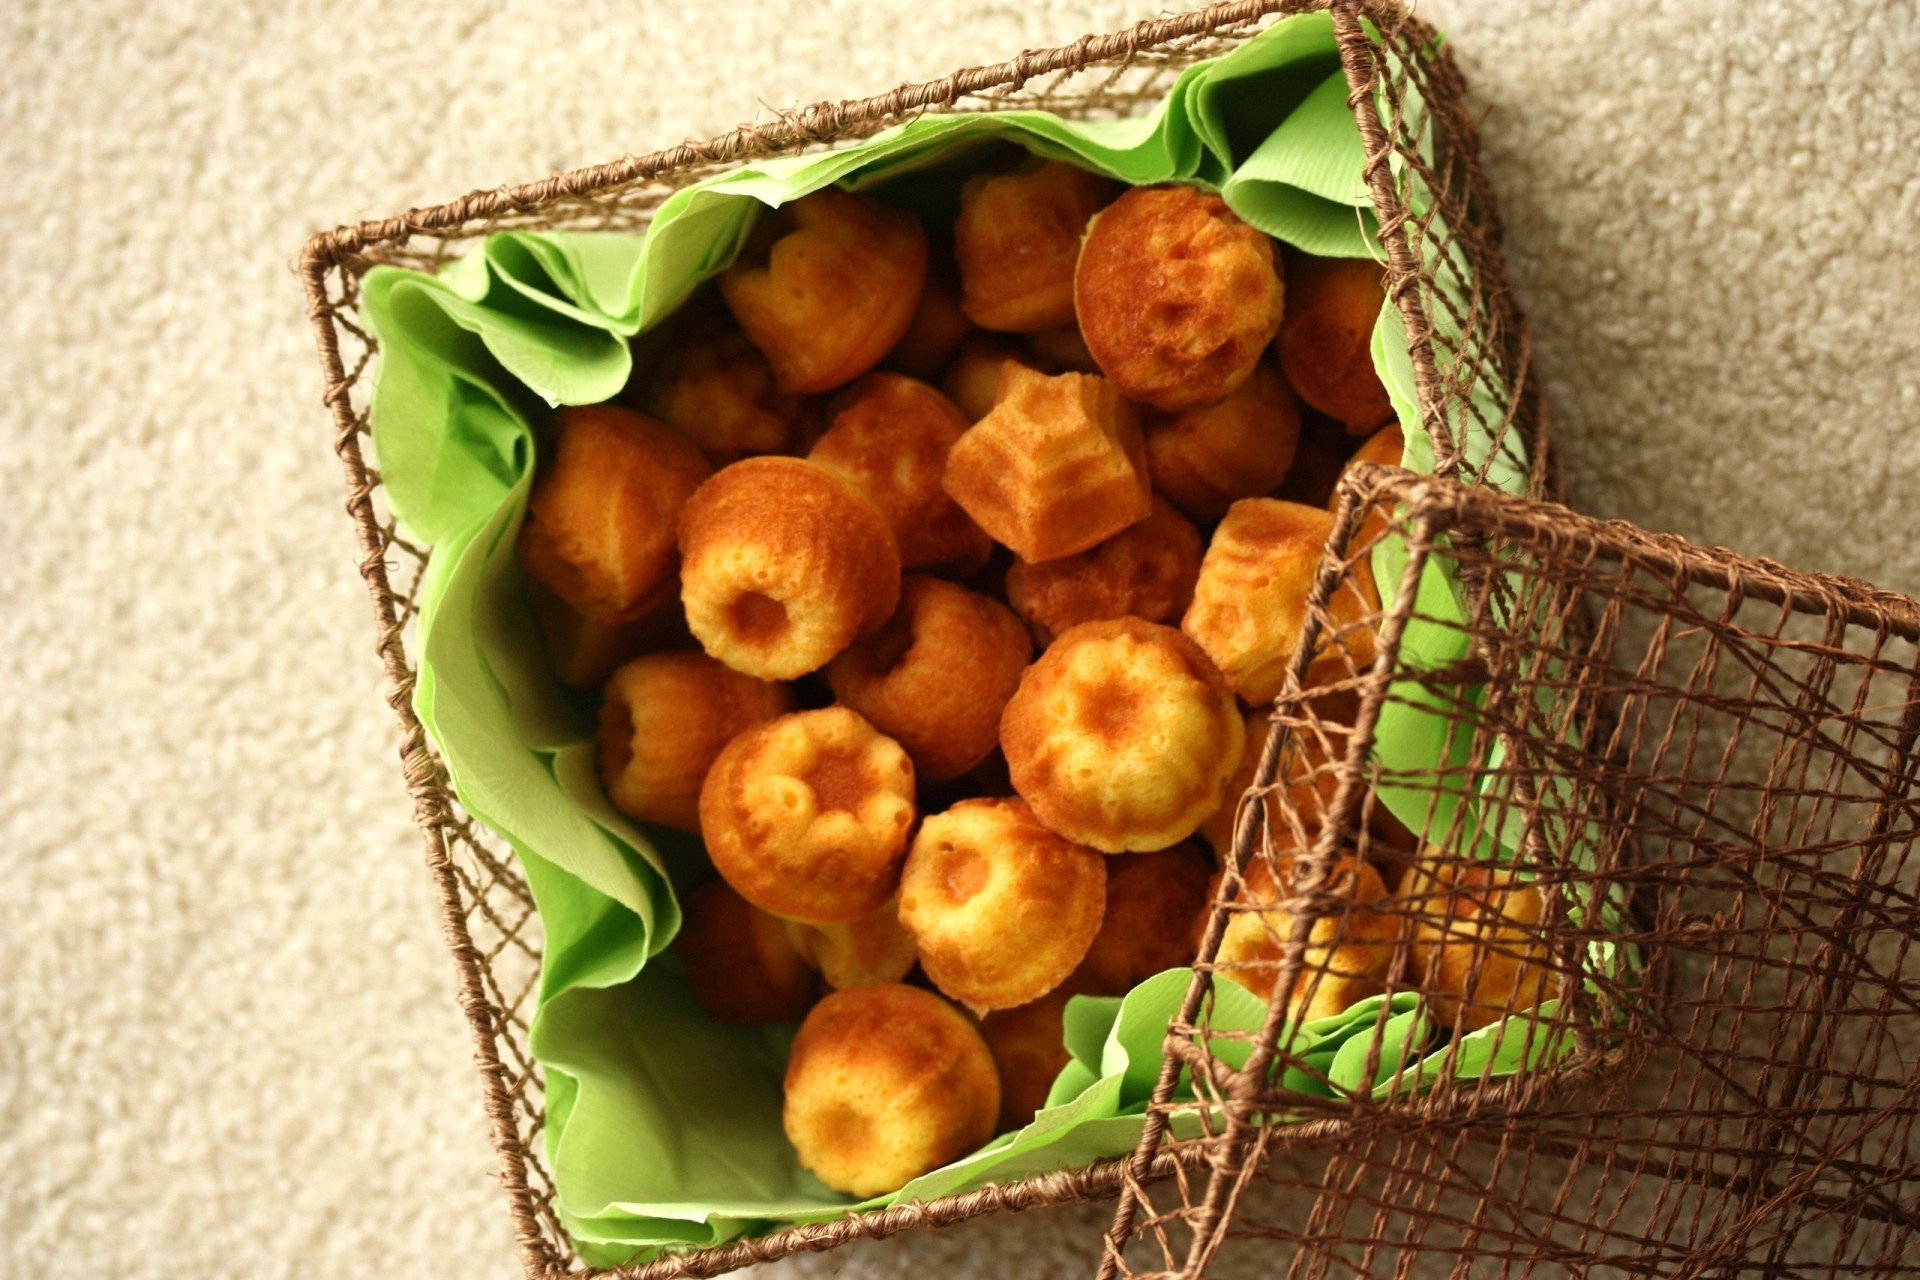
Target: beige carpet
227	1040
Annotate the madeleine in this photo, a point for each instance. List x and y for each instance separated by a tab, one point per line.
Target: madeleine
1147	570
1122	736
1207	458
601	519
739	964
1325	343
826	286
1349	949
1479	952
1016	242
885	1083
1155	901
716	389
1176	296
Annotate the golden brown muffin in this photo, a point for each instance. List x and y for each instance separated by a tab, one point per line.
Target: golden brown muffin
1251	600
715	388
885	1083
936	676
826	286
937	327
1001	908
972	379
583	652
1325	342
1317	460
1305	777
1153	903
664	720
1176	296
1478	948
1349	951
1385	447
1207	458
873	948
1063	350
1017	239
784	563
740	966
890	440
1029	1048
1122	736
1147	570
808	815
600	523
1056	466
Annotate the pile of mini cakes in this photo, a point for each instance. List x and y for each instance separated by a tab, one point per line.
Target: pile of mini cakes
935	577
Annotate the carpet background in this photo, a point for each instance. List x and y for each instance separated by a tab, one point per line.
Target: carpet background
228	1044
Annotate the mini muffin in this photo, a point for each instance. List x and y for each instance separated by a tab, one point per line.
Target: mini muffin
937	675
873	948
1176	296
1478	950
1349	950
972	378
1017	239
1325	343
1062	349
1001	908
1387	448
936	330
716	389
1147	570
784	563
1153	903
1318	458
890	440
885	1083
1250	603
1305	777
1029	1048
1122	736
582	652
1207	458
1056	466
740	966
664	720
600	523
808	815
826	286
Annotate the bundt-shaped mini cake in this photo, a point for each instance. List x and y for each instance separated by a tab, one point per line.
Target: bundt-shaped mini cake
1479	953
937	328
740	965
1001	908
1386	448
972	377
1055	466
784	563
1207	458
1154	901
885	1083
1176	296
664	720
1029	1047
1147	570
936	676
606	499
890	440
874	948
716	389
826	286
808	815
1062	349
582	652
1325	343
1250	603
1350	947
1122	736
1306	775
1017	239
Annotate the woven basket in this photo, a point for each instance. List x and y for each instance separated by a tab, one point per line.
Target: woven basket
1440	231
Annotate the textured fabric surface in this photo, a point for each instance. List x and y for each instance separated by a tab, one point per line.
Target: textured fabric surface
227	1039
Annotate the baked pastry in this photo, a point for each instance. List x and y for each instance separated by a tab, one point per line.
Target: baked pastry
1029	1048
784	563
1318	458
582	652
1054	467
1325	343
1001	908
1250	603
1062	350
1478	950
1122	736
663	721
1387	448
1147	570
885	1083
873	948
890	440
1176	296
972	379
808	815
826	286
1349	951
937	675
1207	458
1305	777
599	531
1016	241
1154	901
714	387
937	327
740	966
